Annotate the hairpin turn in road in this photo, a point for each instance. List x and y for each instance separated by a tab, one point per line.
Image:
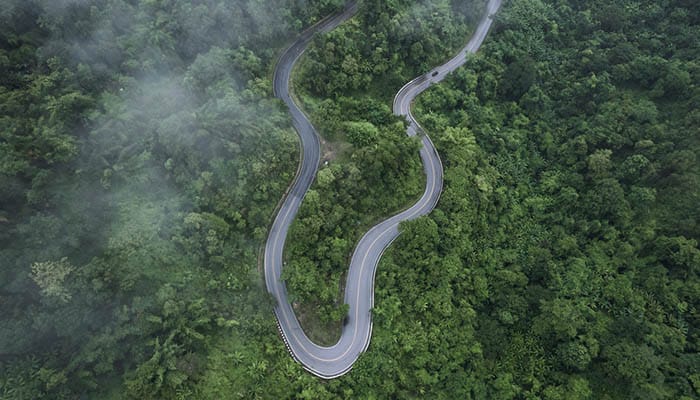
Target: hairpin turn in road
334	361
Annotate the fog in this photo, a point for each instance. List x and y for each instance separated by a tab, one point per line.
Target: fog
174	106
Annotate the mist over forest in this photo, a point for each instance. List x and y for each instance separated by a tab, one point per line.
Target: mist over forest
142	155
138	179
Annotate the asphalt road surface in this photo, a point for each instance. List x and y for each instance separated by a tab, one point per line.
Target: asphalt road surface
334	361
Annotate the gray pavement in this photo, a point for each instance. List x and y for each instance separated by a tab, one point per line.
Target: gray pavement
334	361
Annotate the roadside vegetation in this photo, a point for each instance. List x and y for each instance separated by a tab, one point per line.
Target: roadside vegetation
142	155
347	80
562	261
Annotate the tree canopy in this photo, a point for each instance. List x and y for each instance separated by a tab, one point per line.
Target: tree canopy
142	155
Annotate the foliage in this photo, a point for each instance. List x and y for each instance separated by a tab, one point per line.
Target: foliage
566	202
141	158
132	152
345	80
50	276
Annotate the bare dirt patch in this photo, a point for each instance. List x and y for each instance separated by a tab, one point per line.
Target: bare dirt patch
332	150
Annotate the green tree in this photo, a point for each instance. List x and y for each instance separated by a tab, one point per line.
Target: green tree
51	278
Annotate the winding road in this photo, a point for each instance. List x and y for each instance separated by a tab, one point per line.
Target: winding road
334	361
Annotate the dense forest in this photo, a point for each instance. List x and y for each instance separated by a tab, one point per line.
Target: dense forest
562	260
570	147
138	180
142	155
347	81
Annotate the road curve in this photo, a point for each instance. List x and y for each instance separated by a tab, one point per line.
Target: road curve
334	361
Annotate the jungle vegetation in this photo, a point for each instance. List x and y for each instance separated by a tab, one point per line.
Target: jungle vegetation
142	155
